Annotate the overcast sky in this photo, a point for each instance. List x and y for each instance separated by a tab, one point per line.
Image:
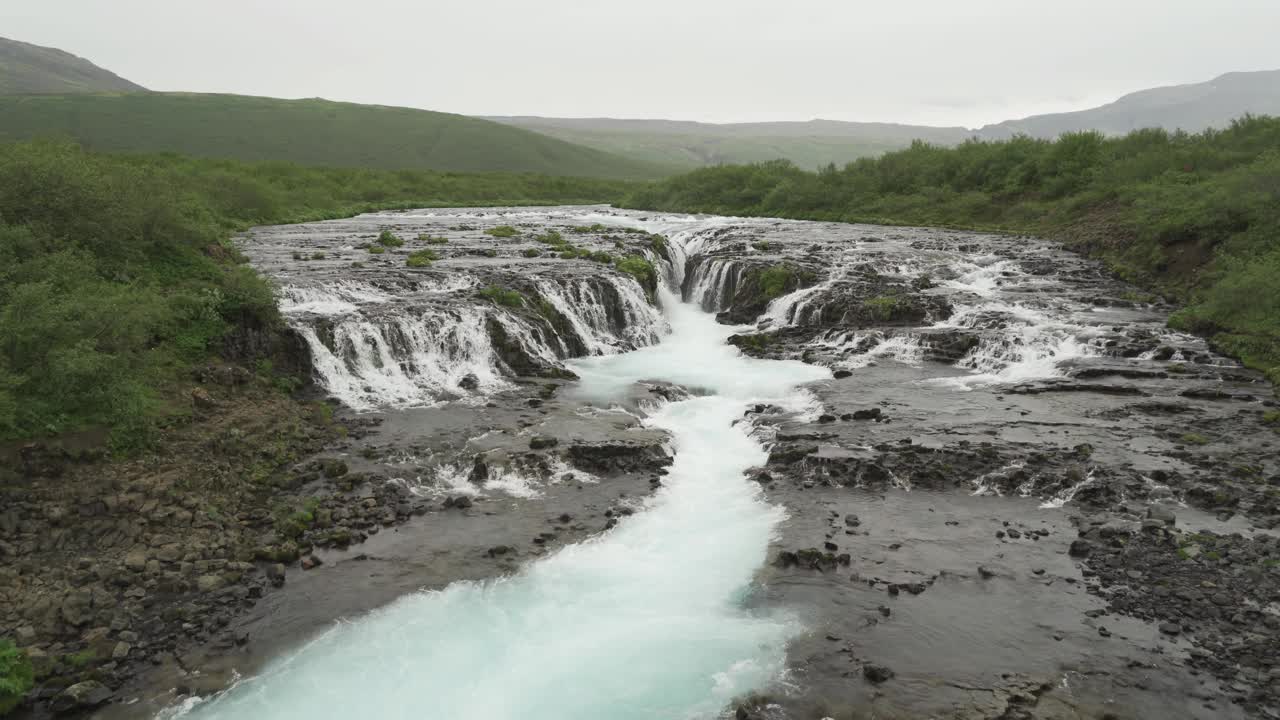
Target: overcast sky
939	62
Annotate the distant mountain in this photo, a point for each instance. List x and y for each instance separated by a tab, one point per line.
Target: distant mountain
818	142
27	69
308	132
1188	107
692	144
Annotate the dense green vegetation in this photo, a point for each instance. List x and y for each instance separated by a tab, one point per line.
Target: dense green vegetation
1196	217
117	275
307	132
16	676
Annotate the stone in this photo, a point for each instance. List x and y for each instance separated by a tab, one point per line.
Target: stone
1170	628
876	673
842	374
1080	548
462	502
852	520
121	650
81	696
136	560
202	400
469	382
209	583
1163	513
275	573
541	442
75	608
868	414
311	562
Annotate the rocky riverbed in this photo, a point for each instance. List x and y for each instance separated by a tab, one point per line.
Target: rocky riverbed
1019	496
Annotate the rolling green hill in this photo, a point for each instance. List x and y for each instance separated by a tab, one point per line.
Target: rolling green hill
693	144
27	69
308	132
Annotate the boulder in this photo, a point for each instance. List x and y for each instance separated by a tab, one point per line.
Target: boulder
80	697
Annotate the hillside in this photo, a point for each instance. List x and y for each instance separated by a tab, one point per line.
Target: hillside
692	144
1193	108
27	69
308	132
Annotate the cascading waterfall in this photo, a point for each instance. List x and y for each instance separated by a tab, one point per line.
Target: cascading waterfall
635	323
713	283
1027	344
404	359
644	622
372	348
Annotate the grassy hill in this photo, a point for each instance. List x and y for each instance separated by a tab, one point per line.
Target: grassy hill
1193	108
27	69
692	144
308	132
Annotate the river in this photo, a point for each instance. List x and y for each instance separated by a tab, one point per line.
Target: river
999	380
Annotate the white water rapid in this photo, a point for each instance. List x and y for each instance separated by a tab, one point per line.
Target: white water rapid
645	622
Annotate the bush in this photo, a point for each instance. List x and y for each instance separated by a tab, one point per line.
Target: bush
389	239
16	676
502	231
424	238
776	281
882	308
421	258
376	249
531	252
639	268
502	296
553	238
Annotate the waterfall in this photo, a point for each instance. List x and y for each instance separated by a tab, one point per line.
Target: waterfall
412	357
610	314
713	283
409	343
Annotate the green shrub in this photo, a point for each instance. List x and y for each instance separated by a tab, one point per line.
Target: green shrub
389	239
639	268
1195	439
585	229
16	676
502	296
532	252
317	256
551	237
425	238
775	281
421	258
502	231
883	307
376	249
